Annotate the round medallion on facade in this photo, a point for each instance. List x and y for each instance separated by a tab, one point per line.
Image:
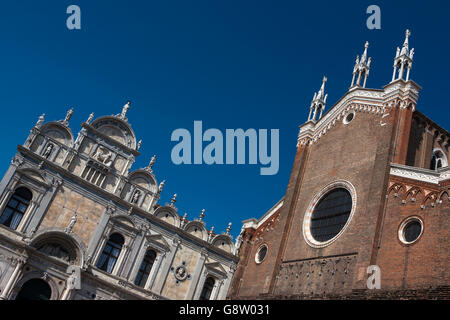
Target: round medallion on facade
329	214
261	254
410	230
180	273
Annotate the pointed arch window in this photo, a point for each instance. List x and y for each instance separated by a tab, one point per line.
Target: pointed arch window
438	160
111	253
146	267
16	208
207	289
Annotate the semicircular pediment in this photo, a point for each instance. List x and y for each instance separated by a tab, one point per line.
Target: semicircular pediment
117	129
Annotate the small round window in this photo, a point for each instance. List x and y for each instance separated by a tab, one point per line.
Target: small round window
349	117
261	254
410	230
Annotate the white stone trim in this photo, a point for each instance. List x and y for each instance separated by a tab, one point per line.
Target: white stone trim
420	174
255	224
308	214
361	99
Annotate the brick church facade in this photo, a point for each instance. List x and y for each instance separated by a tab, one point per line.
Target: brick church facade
380	197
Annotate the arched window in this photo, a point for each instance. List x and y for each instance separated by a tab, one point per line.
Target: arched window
438	160
207	289
145	268
16	207
111	253
35	289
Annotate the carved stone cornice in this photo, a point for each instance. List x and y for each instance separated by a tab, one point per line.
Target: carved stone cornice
420	174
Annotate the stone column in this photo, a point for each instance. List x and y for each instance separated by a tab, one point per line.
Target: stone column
159	284
136	255
19	263
33	222
222	294
73	282
217	287
41	147
7	195
122	258
27	216
196	274
201	283
15	163
156	265
98	235
393	74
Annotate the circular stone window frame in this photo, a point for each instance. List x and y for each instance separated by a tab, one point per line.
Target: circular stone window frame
402	226
309	211
257	261
345	120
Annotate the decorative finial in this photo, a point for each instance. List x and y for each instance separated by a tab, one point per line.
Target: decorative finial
139	145
151	164
202	214
40	120
125	109
211	232
183	220
68	116
174	199
91	116
229	228
161	186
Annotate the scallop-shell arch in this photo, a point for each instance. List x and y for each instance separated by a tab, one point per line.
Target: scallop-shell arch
144	179
117	129
197	229
58	132
168	214
223	242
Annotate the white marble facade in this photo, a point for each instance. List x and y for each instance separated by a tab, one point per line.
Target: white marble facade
64	202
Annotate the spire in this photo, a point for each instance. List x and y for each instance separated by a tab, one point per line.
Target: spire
361	68
318	103
405	47
403	60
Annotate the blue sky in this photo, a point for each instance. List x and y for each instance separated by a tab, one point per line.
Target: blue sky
231	64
